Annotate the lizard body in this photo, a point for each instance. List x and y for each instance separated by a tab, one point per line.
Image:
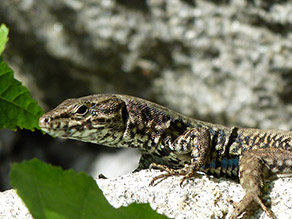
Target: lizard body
175	143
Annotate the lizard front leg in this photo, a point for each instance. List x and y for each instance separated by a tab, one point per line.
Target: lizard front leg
195	140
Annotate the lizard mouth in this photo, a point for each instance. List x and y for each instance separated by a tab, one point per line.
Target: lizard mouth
66	129
55	128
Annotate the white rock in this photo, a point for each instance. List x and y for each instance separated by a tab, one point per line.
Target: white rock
11	206
202	197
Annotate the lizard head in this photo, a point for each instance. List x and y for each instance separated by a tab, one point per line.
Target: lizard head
97	118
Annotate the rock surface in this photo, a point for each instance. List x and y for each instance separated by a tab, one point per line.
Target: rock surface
201	197
224	61
11	206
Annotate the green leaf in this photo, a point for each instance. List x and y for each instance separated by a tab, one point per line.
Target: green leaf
3	37
17	108
139	211
50	192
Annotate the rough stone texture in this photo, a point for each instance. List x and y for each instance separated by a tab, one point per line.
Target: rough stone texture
222	61
199	197
11	206
228	61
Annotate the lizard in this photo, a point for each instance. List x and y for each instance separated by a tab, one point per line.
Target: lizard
174	143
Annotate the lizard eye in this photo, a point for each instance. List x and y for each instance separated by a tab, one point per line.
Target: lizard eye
82	110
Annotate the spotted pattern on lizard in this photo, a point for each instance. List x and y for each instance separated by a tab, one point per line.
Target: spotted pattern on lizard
174	143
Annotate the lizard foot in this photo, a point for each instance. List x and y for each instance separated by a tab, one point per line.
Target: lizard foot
239	207
186	172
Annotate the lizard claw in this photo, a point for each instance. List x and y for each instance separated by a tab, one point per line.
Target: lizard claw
191	173
186	172
161	176
158	166
239	207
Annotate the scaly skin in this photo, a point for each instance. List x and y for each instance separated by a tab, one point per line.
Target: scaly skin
177	144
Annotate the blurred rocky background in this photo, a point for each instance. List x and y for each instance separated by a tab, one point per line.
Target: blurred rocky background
224	61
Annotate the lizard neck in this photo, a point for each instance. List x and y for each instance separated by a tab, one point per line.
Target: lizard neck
150	127
142	129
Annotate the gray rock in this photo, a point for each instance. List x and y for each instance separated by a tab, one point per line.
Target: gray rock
11	206
200	197
227	61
